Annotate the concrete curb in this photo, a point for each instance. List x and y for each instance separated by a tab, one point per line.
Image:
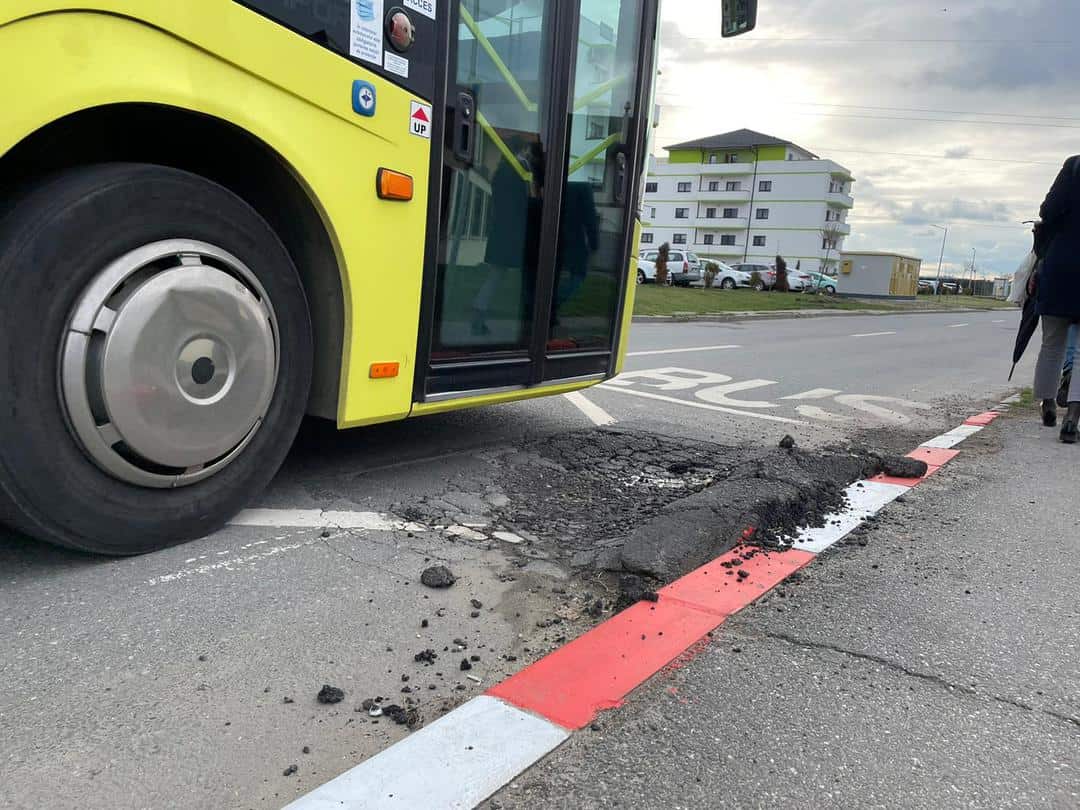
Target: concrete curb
781	314
470	753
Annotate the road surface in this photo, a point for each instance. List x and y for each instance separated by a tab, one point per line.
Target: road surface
192	672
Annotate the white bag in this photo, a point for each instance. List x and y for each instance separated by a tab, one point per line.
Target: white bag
1019	292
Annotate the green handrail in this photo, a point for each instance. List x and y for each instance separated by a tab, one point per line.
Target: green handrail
500	144
609	141
489	49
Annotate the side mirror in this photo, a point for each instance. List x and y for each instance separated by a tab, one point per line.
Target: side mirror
738	17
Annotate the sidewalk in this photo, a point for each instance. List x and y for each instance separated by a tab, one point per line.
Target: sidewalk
930	660
765	315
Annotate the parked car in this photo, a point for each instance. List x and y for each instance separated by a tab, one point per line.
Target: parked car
823	282
728	278
646	272
766	273
684	267
799	281
926	287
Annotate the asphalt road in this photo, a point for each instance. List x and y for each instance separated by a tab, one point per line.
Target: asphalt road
161	680
934	666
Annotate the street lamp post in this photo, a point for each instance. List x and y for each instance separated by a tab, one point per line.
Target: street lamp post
937	287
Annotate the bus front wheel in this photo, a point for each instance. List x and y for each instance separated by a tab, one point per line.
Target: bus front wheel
156	358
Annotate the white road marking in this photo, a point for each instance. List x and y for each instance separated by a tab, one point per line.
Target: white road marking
455	762
873	334
324	519
718	394
231	563
815	393
999	321
957	325
682	351
597	415
865	403
691	404
814	412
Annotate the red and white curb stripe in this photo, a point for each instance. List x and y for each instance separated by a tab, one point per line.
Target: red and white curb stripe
468	754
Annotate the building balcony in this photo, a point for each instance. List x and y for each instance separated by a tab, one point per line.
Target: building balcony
726	168
840	199
720	224
841	228
724	196
727	253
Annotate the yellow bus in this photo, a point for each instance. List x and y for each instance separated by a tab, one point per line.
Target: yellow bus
219	215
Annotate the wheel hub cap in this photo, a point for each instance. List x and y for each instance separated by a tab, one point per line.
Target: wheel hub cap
169	364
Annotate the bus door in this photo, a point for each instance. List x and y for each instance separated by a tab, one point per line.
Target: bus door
537	178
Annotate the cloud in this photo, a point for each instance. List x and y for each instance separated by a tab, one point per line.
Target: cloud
954	152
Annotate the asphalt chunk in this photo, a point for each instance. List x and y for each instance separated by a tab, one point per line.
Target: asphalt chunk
290	770
437	576
903	467
330	694
426	657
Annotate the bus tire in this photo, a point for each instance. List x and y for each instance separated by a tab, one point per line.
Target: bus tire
207	275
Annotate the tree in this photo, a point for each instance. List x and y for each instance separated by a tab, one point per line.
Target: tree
661	263
830	240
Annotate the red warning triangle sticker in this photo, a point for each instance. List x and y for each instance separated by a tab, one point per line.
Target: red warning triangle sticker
420	115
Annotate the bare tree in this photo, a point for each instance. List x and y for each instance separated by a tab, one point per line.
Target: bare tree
830	239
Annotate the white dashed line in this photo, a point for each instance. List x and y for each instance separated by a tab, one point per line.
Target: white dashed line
682	351
597	415
957	325
323	519
873	334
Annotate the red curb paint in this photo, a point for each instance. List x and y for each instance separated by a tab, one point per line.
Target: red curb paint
712	589
982	419
598	669
906	482
934	456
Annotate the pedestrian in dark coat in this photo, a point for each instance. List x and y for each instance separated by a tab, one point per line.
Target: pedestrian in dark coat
1058	302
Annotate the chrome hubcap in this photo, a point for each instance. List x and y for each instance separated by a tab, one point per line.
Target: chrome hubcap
169	363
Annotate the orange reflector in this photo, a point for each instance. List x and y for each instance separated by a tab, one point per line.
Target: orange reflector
382	371
391	185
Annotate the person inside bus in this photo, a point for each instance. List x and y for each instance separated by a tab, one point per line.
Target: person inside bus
513	230
579	238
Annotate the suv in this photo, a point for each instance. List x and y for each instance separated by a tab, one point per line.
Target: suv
766	273
683	267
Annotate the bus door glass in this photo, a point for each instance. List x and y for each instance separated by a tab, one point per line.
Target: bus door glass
599	180
493	189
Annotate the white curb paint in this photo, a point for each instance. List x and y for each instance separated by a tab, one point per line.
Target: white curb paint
863	501
953	437
597	415
683	351
324	519
456	762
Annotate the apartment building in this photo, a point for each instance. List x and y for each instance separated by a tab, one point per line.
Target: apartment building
746	196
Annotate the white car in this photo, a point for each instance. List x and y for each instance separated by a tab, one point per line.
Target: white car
683	268
728	278
798	281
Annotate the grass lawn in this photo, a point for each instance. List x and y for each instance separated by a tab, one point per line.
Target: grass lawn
653	300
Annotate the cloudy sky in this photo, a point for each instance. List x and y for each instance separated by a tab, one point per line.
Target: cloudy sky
952	112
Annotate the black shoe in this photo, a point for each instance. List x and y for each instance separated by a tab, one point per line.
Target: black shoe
1049	412
1063	389
1069	433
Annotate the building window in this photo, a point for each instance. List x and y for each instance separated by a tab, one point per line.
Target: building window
682	213
714	185
713	158
652	213
836	188
764	185
759	241
678	239
646	238
731	157
707	239
762	213
832	216
733	185
727	239
684	187
710	213
650	188
731	213
828	244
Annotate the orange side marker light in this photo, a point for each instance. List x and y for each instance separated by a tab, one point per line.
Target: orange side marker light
383	371
391	185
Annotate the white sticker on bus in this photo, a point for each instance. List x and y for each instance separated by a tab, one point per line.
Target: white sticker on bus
425	7
420	119
396	64
366	30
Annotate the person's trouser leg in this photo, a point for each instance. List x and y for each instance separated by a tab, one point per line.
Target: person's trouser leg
1051	357
1070	346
